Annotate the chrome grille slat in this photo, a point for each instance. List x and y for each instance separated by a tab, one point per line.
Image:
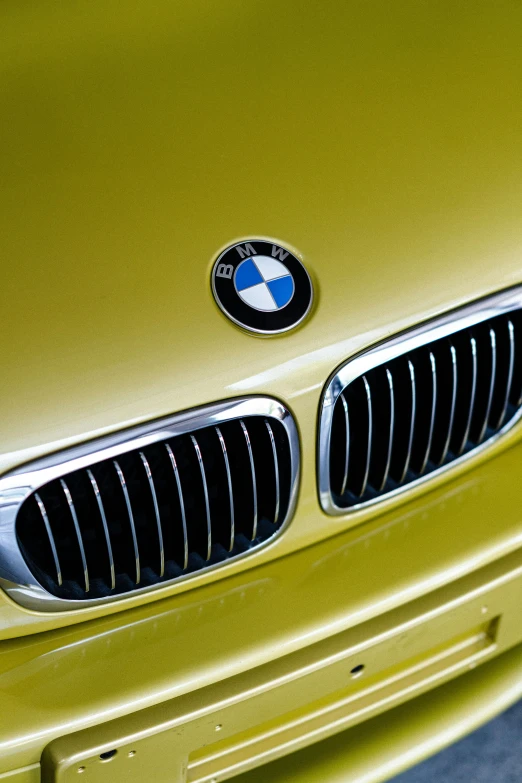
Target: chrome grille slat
229	485
146	507
78	533
254	481
205	495
125	491
347	446
370	436
50	536
493	343
509	379
471	407
433	364
390	434
445	450
181	503
456	388
276	473
156	511
101	509
407	461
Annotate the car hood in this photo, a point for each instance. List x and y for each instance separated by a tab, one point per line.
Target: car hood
380	141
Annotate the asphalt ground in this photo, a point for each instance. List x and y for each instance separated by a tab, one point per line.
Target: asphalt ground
492	754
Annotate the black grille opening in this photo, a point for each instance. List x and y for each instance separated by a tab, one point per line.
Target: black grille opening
424	409
152	515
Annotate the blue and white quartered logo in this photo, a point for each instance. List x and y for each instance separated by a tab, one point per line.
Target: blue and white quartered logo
264	283
262	286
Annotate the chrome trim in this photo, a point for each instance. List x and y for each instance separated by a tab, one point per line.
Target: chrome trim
473	344
493	343
78	532
16	578
511	330
453	403
156	511
412	420
347	447
50	536
101	509
382	353
181	504
123	484
254	480
370	436
392	427
205	494
433	409
229	482
276	471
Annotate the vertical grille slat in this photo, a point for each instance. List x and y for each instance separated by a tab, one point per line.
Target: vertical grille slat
517	371
253	477
205	495
509	378
493	372
156	512
230	490
411	431
165	508
181	503
433	366
50	537
390	432
132	526
471	406
103	517
454	381
277	506
78	533
412	406
347	443
370	436
515	397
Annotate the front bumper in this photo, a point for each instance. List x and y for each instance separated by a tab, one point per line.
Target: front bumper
384	746
218	680
253	718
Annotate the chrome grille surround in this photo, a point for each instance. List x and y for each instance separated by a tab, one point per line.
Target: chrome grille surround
379	356
17	579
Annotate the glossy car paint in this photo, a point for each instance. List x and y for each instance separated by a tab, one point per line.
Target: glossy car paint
381	142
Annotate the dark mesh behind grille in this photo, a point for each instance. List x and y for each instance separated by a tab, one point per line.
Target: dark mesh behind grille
192	529
424	409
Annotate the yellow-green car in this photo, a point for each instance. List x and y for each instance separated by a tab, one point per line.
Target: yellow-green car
261	382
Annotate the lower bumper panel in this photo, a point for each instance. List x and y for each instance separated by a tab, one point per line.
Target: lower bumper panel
340	684
383	747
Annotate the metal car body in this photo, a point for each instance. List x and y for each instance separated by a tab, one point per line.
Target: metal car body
380	143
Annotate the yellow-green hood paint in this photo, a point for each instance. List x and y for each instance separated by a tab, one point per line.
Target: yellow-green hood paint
381	141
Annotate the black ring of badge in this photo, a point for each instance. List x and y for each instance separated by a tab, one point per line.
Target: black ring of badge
248	317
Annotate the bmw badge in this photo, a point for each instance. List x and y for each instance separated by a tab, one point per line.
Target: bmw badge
262	286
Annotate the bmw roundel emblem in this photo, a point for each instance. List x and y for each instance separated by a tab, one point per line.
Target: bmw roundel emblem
262	286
